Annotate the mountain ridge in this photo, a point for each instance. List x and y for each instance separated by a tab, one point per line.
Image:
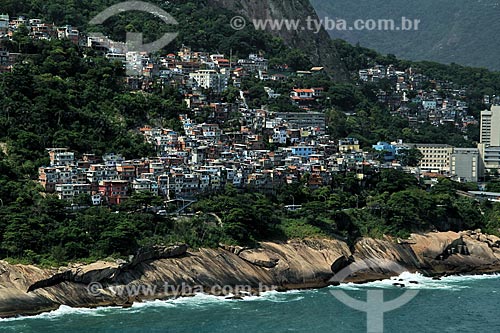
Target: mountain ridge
461	32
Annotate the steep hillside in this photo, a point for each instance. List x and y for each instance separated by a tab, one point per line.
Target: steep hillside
316	46
201	24
459	31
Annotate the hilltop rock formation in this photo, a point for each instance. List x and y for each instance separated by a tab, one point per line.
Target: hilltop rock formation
317	45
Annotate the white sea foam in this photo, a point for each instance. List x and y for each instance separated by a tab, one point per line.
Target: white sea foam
281	296
192	301
65	310
453	282
198	300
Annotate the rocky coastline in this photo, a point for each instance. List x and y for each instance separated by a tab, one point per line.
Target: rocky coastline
296	264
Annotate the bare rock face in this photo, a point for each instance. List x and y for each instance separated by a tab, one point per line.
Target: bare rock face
233	248
259	257
434	245
158	252
86	274
341	263
104	271
451	252
387	249
306	263
14	281
491	240
317	45
483	247
373	259
296	264
94	272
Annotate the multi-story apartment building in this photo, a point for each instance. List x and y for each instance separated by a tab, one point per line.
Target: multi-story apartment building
304	119
145	185
71	191
436	157
61	156
116	191
210	79
490	127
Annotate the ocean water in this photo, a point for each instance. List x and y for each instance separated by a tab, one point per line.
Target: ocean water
453	304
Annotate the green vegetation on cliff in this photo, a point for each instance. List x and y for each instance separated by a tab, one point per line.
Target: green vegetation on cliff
202	26
390	202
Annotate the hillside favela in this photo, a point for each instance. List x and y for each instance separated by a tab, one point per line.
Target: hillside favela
222	166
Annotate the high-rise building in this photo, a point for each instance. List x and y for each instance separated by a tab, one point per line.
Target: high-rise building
490	126
490	156
489	146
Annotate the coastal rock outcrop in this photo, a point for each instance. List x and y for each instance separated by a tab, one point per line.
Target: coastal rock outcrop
233	248
158	252
104	271
372	258
297	264
451	253
440	245
259	257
